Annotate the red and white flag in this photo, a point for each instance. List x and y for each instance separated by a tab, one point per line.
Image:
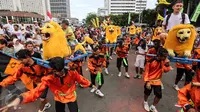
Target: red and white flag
49	16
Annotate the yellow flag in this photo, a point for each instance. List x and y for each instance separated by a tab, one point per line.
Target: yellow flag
163	2
94	23
97	21
159	17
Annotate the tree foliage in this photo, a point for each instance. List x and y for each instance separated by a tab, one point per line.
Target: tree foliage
149	16
89	17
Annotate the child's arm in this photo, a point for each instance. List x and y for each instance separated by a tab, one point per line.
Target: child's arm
82	80
35	93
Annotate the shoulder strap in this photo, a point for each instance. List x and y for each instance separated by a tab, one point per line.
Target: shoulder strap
168	16
183	18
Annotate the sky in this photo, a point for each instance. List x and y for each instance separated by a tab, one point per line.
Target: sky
80	8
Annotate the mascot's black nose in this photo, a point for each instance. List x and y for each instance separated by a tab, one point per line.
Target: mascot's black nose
185	38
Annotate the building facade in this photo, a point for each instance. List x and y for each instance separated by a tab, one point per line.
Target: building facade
123	6
102	12
60	8
35	6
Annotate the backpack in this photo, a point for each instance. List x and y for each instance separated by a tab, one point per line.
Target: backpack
168	16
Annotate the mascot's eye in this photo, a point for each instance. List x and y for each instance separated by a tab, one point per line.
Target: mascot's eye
180	32
188	32
48	26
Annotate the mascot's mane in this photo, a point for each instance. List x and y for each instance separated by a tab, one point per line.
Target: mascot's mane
175	29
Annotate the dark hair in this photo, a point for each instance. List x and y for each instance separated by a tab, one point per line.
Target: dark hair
16	25
162	52
57	63
29	42
66	22
143	46
23	54
28	35
3	41
13	36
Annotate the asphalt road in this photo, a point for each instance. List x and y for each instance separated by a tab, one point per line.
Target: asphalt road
121	94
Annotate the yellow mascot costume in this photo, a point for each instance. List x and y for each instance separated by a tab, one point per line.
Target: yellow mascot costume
139	29
55	44
111	34
54	41
180	40
157	32
132	30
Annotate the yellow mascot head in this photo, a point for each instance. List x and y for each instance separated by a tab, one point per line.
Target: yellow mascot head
111	34
139	29
54	41
180	40
132	30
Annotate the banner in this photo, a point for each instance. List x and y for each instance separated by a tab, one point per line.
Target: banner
129	18
163	2
196	14
159	17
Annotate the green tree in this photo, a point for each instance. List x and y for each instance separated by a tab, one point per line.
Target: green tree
149	16
122	20
89	17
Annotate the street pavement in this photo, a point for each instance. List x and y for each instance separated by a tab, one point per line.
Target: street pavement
121	94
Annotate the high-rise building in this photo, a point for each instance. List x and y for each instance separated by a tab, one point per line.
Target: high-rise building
37	6
60	8
123	6
102	12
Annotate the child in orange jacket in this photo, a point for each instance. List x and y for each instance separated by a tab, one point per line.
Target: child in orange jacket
34	72
104	50
62	83
190	92
152	77
95	64
122	54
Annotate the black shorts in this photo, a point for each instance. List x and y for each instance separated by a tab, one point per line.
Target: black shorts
188	74
44	93
157	90
119	62
93	78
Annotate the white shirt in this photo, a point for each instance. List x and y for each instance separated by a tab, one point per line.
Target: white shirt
175	20
142	51
9	27
19	34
